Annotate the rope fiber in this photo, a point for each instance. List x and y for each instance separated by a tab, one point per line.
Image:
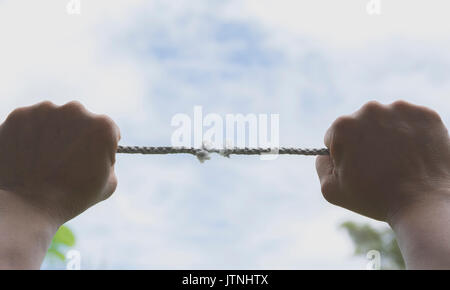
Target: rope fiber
203	153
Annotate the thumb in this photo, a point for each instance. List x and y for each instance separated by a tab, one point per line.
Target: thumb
328	181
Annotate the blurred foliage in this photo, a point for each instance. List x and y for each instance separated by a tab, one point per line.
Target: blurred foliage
366	238
63	240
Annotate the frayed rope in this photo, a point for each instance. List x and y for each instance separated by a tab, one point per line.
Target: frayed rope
203	153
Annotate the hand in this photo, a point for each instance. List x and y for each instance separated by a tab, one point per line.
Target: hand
385	160
55	162
58	160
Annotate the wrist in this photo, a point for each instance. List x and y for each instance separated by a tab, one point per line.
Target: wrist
25	233
422	231
420	202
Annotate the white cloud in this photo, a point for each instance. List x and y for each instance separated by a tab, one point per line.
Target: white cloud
48	54
141	62
347	23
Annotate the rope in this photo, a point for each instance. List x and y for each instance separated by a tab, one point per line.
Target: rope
203	153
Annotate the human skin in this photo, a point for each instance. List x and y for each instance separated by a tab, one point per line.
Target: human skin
392	163
55	162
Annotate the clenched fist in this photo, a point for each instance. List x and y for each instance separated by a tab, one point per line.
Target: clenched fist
392	163
55	162
58	159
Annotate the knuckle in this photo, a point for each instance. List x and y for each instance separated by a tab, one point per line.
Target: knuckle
416	111
343	124
432	114
43	109
372	107
74	107
17	114
105	122
401	105
46	105
106	127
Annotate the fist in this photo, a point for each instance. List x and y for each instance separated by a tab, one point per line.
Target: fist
384	159
58	160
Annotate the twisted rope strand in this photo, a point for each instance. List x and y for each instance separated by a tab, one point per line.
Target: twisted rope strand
203	153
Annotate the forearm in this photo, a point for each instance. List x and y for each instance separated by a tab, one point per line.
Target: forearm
25	234
423	233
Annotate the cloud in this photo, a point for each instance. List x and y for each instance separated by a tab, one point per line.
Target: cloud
347	23
142	62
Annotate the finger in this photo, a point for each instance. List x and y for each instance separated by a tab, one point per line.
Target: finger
332	145
110	126
28	112
42	106
111	184
328	137
116	131
370	109
75	108
327	177
108	134
415	112
340	135
324	166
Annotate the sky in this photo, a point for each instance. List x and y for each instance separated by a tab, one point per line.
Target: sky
142	62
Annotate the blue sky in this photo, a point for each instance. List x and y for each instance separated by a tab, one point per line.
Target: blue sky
141	62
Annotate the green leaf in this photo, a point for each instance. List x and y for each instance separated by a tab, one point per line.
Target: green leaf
63	240
64	236
55	253
366	238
